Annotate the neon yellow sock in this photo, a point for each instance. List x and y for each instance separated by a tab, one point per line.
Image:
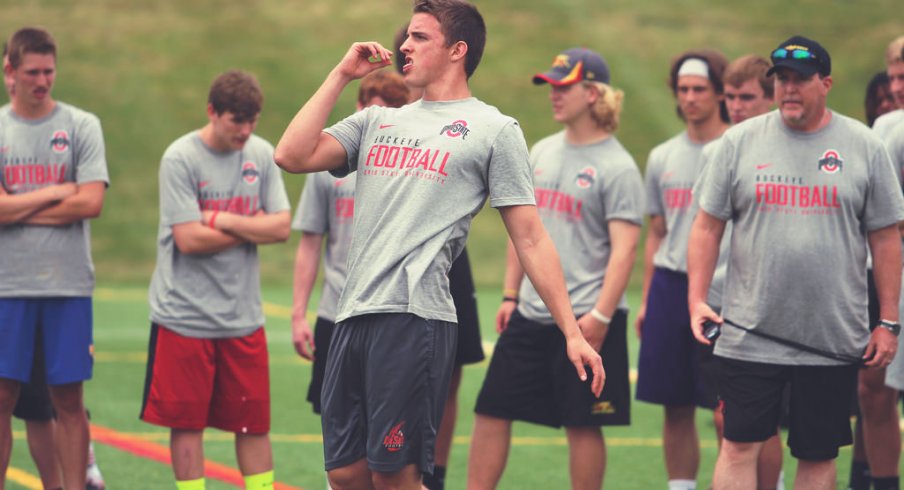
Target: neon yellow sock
190	484
260	481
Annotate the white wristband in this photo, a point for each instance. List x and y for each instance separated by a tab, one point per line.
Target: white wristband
599	316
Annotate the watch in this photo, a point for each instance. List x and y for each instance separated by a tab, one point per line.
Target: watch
893	327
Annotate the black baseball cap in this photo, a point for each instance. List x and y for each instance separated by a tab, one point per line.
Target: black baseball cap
575	65
803	55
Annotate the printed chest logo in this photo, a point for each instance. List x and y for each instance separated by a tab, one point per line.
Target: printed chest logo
60	141
585	177
395	440
456	129
250	173
830	162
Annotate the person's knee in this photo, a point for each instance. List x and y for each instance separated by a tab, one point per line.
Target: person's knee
355	475
67	400
740	451
9	394
408	477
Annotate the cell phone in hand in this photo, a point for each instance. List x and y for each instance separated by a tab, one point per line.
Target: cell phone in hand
711	330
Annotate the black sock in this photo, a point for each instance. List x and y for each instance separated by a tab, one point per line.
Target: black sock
860	476
436	481
886	483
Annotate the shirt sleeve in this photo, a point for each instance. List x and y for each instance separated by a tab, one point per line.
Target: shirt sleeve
313	211
178	193
90	155
273	194
885	204
623	195
509	177
651	179
715	182
348	132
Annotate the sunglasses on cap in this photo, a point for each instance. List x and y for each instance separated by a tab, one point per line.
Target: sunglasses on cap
797	54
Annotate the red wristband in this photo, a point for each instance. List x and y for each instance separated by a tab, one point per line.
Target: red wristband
213	217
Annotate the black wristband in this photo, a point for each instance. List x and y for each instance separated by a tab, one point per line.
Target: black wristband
510	298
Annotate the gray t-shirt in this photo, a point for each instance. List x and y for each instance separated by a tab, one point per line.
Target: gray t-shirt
802	205
213	295
672	169
424	170
579	189
65	146
716	287
327	207
885	124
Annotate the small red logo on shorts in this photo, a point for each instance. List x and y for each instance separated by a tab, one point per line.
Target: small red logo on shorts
395	439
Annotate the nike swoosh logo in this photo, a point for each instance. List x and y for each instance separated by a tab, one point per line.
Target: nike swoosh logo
203	184
765	165
384	126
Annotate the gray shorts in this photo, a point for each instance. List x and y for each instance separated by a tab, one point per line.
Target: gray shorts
386	382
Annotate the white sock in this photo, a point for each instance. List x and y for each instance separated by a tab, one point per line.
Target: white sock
682	485
328	487
780	485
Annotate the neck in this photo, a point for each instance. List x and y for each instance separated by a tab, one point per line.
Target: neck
584	132
32	111
706	131
819	121
206	135
453	86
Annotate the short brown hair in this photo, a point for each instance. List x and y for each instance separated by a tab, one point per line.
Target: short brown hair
29	40
715	65
749	67
459	21
237	92
388	85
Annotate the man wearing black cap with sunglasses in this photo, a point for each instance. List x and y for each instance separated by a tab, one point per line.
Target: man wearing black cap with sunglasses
808	190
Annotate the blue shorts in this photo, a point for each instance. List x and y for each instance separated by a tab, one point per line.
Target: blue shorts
65	324
671	363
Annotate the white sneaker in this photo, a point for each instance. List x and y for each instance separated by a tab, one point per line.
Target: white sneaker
94	480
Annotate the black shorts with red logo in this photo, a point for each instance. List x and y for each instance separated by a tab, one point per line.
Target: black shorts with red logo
387	376
530	378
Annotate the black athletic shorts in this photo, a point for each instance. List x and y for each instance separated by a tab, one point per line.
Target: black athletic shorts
386	382
530	378
461	284
819	418
34	402
323	333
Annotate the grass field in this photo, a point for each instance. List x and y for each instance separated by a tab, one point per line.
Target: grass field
538	459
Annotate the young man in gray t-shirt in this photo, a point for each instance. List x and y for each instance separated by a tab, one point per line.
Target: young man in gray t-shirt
54	177
423	171
221	196
808	191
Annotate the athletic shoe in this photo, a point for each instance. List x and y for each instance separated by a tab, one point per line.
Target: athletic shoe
94	480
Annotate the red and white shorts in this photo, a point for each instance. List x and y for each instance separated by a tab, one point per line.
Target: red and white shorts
193	383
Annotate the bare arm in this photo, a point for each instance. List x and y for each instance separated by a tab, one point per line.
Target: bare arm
259	228
656	231
303	146
86	203
514	274
15	208
702	255
624	236
194	237
540	262
885	245
307	257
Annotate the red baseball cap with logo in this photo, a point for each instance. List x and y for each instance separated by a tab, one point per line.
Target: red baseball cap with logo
575	65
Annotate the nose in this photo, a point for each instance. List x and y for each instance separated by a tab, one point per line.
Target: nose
405	48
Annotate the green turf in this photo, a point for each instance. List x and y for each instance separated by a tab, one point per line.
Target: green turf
538	458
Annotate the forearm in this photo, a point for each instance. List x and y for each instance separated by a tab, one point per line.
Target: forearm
649	251
15	208
540	262
86	203
307	256
298	142
194	238
885	246
260	228
514	274
618	273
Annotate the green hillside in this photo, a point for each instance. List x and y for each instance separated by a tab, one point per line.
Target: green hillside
144	68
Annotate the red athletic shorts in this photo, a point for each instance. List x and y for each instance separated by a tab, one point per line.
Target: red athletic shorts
194	383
